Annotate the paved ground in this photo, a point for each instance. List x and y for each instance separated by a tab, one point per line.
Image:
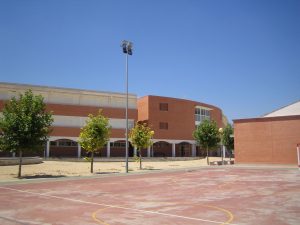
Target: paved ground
218	195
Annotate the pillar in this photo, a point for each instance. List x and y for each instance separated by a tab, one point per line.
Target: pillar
48	149
108	149
134	152
149	151
173	150
193	150
79	151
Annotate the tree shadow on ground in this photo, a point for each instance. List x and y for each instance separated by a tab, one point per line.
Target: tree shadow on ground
42	176
150	169
106	172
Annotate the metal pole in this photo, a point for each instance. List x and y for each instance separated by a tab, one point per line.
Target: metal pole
298	155
126	113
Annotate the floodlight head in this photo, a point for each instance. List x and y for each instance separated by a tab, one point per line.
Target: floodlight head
127	47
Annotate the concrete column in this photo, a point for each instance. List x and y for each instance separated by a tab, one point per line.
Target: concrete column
134	151
48	149
79	151
14	154
173	150
108	149
149	151
193	150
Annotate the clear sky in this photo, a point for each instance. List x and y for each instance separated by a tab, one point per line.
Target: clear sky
240	55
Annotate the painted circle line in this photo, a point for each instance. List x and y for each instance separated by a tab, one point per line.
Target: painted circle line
229	214
113	206
94	216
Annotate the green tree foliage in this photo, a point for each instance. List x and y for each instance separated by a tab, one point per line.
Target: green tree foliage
140	137
24	125
207	136
94	135
227	140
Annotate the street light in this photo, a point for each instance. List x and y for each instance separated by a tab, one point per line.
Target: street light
127	49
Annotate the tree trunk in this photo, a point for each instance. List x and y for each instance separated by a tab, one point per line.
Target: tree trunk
207	155
92	162
20	164
140	159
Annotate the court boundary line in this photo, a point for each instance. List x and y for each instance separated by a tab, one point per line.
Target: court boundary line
115	206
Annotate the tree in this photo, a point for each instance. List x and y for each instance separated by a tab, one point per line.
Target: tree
140	137
207	135
94	135
227	139
25	125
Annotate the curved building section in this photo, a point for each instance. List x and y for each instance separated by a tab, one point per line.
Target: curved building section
174	121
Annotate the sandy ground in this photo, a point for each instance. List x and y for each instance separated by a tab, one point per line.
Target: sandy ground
65	168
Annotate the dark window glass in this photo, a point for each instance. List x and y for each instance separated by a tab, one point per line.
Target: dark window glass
163	106
163	125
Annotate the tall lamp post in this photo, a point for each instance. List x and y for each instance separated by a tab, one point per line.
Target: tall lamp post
127	49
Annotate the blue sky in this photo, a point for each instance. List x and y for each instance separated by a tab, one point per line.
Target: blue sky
243	56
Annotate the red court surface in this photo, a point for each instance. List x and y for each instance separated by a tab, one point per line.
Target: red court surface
216	195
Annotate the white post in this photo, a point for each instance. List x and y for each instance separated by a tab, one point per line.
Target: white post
173	150
193	150
48	149
298	154
108	149
79	151
134	151
14	154
223	153
148	151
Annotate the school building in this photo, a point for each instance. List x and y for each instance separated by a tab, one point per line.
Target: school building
173	120
270	139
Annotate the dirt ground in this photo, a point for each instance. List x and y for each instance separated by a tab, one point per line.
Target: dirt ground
65	168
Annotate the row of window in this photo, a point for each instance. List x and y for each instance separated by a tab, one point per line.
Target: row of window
63	143
69	143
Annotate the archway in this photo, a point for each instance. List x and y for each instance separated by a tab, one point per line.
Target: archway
162	149
118	149
63	148
184	149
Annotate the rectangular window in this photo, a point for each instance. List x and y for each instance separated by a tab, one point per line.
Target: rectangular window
201	114
66	143
163	126
53	143
118	144
163	106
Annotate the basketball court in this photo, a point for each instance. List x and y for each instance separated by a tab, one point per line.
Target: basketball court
218	195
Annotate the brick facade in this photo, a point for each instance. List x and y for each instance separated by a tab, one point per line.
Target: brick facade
267	140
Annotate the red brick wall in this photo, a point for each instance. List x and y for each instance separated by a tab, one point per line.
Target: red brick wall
74	132
76	110
180	116
267	140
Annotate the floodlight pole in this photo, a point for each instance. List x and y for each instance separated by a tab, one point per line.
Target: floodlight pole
127	49
126	113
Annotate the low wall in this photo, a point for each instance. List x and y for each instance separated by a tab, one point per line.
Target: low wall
9	161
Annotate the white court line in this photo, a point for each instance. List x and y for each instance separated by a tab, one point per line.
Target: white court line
116	207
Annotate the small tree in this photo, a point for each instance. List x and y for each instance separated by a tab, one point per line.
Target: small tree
140	137
94	135
25	125
207	135
227	139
